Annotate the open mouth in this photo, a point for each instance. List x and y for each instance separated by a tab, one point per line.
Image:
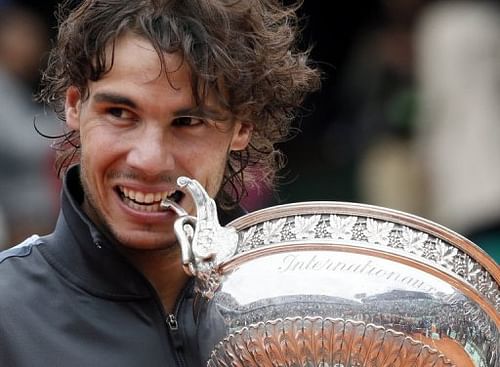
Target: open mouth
147	201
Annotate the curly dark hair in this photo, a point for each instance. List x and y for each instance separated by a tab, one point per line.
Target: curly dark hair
245	52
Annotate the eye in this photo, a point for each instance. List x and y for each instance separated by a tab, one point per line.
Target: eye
188	121
120	113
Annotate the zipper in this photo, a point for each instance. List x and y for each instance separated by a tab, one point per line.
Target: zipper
176	336
173	332
172	323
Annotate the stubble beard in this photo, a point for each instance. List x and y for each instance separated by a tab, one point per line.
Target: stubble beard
99	219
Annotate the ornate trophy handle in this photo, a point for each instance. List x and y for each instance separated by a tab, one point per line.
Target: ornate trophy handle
204	242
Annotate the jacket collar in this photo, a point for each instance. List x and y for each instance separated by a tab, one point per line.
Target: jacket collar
87	257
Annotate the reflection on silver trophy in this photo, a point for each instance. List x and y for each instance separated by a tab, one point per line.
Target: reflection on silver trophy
329	284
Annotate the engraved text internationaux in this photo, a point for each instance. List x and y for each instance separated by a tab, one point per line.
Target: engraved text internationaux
305	262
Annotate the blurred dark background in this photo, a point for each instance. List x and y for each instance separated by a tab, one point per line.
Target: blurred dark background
365	136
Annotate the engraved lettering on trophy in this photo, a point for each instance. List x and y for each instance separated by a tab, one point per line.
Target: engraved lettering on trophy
297	262
292	262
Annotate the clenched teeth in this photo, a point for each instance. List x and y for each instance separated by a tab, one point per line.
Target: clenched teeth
147	201
145	197
143	207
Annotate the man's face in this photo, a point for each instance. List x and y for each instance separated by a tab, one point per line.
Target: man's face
139	131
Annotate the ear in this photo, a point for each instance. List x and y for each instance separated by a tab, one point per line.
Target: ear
241	135
72	108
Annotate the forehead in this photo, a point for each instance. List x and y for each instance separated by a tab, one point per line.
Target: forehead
135	71
134	57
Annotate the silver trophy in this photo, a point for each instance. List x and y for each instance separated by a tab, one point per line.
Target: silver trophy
330	284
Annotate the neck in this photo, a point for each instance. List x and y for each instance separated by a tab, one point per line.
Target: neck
163	269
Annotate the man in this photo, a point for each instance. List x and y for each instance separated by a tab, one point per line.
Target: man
149	90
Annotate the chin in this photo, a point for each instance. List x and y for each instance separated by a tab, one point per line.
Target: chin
147	242
151	247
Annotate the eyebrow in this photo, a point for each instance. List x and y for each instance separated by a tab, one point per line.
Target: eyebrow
105	97
202	112
195	111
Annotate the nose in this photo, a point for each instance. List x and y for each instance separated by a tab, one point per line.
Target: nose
151	152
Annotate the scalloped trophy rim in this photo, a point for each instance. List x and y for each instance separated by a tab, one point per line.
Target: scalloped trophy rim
376	212
372	212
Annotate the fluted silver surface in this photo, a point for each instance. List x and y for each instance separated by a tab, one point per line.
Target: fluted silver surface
330	284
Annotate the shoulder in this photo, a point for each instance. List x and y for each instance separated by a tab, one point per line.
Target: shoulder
21	250
25	277
20	265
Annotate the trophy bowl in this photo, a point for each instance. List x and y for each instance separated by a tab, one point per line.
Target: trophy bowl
338	284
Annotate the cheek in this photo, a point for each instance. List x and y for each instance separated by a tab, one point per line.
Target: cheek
206	161
210	149
201	163
98	153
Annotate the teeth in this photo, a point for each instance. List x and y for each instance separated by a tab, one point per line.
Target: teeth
146	201
139	197
149	198
145	197
143	208
128	193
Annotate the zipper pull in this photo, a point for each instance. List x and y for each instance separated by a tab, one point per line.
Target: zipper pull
172	322
175	334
